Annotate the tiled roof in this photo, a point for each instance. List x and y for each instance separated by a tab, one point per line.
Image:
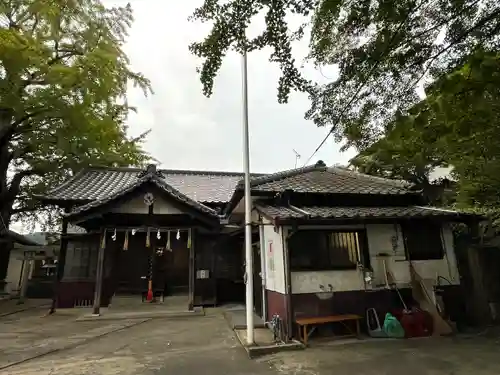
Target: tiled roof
328	180
315	212
100	183
159	182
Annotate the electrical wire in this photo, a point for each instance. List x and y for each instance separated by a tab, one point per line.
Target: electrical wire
365	81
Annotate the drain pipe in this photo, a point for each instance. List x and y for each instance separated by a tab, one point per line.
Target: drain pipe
288	277
263	270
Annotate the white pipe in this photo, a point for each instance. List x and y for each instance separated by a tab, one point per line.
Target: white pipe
248	207
263	271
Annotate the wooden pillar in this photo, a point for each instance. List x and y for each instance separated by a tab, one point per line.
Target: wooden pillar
191	269
99	275
61	261
27	264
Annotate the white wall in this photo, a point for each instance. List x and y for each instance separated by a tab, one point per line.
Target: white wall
14	271
274	262
381	238
136	205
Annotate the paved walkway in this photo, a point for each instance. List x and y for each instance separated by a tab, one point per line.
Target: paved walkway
32	344
200	344
12	306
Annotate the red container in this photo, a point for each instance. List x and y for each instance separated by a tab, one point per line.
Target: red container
417	323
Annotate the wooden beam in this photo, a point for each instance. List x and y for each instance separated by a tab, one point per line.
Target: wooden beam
99	275
61	260
27	264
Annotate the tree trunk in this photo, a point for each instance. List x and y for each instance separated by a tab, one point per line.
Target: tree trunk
6	200
5	246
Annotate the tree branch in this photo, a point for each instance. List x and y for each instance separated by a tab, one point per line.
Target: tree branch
15	184
28	116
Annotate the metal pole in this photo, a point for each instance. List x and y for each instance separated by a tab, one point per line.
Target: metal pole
248	207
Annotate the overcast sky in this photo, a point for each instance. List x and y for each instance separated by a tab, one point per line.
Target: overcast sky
190	131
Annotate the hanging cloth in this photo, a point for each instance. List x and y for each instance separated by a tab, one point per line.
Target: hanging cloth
125	242
103	240
148	238
189	239
169	248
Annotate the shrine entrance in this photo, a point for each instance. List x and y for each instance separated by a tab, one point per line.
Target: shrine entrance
165	263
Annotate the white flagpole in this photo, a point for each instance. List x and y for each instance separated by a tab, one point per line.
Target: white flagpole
248	207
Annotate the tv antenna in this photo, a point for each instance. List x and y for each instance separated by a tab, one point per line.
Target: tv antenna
297	157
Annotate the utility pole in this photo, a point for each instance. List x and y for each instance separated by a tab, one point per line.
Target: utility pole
248	206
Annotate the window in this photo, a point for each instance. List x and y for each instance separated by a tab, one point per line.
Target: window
423	240
322	250
81	260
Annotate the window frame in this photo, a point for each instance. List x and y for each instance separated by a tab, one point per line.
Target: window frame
410	227
361	251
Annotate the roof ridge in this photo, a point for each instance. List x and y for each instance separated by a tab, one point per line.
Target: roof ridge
117	169
387	181
169	170
283	174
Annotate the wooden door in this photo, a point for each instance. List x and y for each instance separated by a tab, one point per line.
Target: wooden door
257	281
176	268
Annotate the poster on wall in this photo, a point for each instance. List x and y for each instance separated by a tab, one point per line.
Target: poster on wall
270	256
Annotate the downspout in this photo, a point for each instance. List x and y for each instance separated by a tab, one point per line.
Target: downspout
288	278
263	270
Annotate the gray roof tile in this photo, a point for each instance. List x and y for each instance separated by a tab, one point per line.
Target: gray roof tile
328	180
315	212
159	182
100	183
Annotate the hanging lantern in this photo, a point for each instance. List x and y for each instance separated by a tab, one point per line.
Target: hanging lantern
113	237
178	236
134	231
158	234
125	242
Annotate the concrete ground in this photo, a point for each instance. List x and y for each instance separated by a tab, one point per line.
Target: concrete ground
478	355
188	345
32	344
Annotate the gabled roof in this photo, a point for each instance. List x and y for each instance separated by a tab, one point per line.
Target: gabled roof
98	183
321	179
142	178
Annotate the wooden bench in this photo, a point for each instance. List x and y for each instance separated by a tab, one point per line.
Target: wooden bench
304	323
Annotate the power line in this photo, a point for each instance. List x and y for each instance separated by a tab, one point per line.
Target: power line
362	84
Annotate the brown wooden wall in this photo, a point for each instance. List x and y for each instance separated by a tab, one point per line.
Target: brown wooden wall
276	305
81	293
222	257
